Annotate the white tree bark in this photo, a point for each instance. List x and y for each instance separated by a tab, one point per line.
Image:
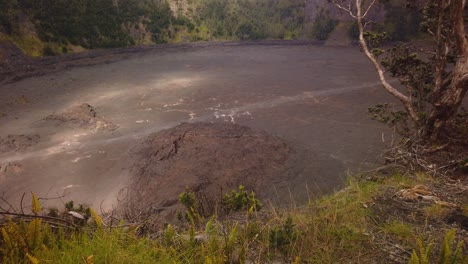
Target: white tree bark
355	9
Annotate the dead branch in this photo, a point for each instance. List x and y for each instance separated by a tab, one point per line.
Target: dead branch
6	202
48	219
341	5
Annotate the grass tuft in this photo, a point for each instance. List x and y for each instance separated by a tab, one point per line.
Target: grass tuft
343	227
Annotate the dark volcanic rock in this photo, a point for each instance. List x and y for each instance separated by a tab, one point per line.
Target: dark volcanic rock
83	116
207	157
18	142
212	159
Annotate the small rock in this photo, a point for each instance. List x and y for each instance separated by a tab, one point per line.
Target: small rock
76	215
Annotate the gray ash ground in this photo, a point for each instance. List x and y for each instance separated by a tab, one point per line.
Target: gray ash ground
83	116
312	98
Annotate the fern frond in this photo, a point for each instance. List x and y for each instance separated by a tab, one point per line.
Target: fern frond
36	205
446	250
6	238
424	251
209	226
34	233
32	259
97	218
414	258
458	254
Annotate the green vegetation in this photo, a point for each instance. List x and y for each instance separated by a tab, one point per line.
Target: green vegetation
400	23
199	205
90	23
250	19
323	25
450	252
56	25
240	199
50	27
357	224
430	119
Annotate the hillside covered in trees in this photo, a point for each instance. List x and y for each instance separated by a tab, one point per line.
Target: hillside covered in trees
49	27
56	26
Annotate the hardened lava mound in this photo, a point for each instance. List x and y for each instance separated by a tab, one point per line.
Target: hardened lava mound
209	157
215	158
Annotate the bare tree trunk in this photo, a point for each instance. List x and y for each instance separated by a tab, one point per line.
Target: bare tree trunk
392	90
447	106
446	102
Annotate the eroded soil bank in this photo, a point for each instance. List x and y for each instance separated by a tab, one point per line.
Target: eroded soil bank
313	97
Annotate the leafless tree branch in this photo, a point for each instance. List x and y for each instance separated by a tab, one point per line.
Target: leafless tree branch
341	5
47	218
368	8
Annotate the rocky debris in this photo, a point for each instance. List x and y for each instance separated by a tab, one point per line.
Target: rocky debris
83	116
18	142
76	215
10	168
209	158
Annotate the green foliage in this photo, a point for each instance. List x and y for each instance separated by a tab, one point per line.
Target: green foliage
433	92
198	205
386	114
48	51
323	25
53	212
160	20
86	23
401	22
96	218
109	23
246	30
20	240
375	39
424	254
450	252
413	72
89	23
400	230
282	236
35	205
239	200
188	199
81	208
247	19
337	228
69	205
377	52
405	64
